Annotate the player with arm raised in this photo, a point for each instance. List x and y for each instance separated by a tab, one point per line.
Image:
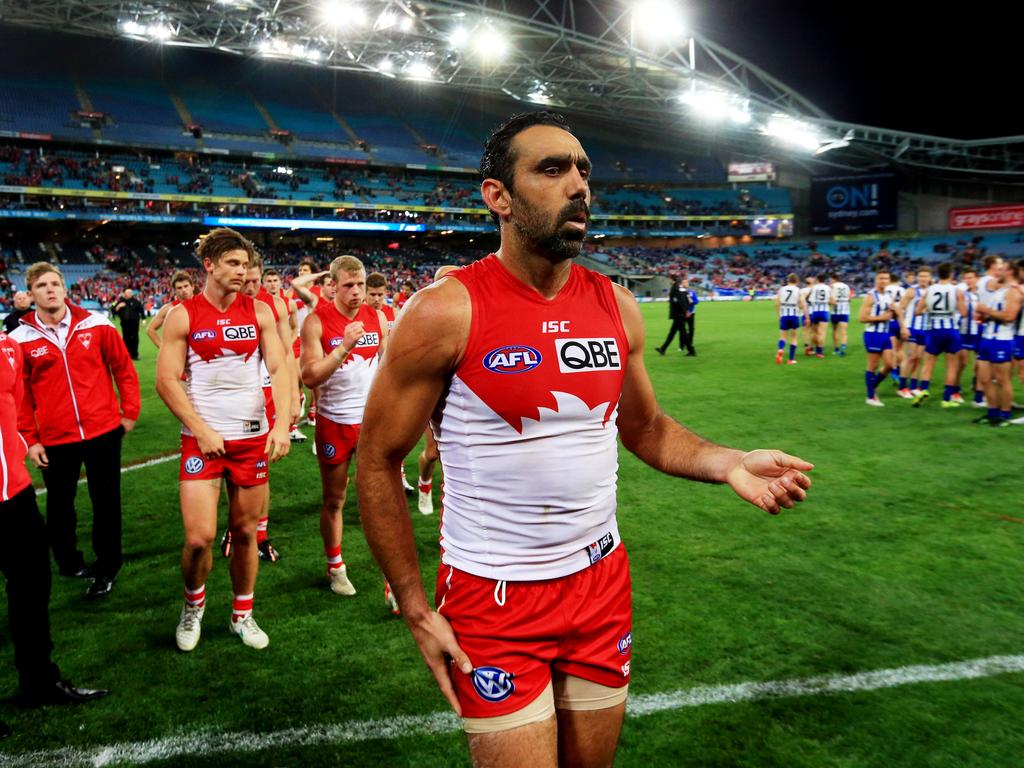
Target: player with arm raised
529	367
220	338
875	313
181	282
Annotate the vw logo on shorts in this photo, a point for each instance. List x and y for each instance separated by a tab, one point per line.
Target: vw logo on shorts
194	465
329	450
493	684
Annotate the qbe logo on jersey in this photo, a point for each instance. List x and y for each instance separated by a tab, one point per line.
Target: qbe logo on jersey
588	355
369	340
239	332
493	684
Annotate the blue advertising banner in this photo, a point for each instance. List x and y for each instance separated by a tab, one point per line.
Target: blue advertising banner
849	204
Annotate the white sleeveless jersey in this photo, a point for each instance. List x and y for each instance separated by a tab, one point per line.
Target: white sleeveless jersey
894	292
223	367
841	298
969	325
819	298
997	300
789	301
941	300
805	293
881	304
910	318
1020	317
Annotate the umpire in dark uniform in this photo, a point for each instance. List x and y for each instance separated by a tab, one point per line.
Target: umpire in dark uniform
678	308
130	311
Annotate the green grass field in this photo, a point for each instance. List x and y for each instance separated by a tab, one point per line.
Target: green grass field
901	556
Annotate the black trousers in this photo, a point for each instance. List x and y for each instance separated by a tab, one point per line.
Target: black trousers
130	334
679	327
25	562
102	458
688	334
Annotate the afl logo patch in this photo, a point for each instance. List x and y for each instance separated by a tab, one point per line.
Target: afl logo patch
626	643
204	335
493	684
336	341
514	358
329	451
194	465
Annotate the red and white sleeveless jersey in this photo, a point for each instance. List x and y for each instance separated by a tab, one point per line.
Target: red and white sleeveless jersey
389	315
342	397
527	431
267	299
223	367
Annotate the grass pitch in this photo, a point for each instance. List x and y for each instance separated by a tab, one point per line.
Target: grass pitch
904	554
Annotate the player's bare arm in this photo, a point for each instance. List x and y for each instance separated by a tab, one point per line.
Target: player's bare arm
284	333
770	480
278	442
170	365
317	367
1006	315
157	323
301	285
867	312
413	375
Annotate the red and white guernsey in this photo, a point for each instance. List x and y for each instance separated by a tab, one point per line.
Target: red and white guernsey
267	298
342	397
527	431
389	315
223	367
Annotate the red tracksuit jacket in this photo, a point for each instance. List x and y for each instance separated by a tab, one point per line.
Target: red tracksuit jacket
14	478
69	396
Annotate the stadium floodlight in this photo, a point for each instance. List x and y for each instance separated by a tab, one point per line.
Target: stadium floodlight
160	32
313	55
835	144
490	44
385	65
711	105
417	69
386	20
132	27
406	24
458	37
340	14
658	20
795	132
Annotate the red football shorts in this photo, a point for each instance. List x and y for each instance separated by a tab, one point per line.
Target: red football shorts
335	443
579	625
244	462
268	398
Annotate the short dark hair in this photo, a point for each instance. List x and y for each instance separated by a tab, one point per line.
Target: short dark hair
498	160
222	240
945	270
270	273
376	280
823	277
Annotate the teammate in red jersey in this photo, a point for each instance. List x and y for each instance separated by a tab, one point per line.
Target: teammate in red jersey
181	282
528	367
221	337
342	342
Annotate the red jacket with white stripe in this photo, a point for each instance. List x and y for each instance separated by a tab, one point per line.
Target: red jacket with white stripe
69	396
14	478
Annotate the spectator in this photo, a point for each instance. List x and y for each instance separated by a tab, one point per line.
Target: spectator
22	306
129	311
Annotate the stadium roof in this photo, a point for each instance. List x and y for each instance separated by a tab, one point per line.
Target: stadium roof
630	62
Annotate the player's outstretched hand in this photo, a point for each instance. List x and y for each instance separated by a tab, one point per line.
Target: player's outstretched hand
437	642
770	480
278	442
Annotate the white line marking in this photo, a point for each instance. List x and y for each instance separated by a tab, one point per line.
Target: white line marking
130	468
213	743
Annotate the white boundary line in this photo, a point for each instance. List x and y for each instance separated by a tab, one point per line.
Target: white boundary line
213	743
130	468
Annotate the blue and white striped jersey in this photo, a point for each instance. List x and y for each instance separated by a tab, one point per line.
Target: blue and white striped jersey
941	300
997	300
841	298
880	305
789	301
818	298
969	326
910	318
894	292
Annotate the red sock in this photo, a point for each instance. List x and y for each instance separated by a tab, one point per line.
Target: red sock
241	607
334	559
195	598
261	530
426	487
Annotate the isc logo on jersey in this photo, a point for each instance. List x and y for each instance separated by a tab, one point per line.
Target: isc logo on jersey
493	684
588	355
514	358
240	332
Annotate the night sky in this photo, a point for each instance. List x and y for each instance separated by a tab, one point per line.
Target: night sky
952	71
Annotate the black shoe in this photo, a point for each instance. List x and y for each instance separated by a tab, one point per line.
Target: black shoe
82	572
100	587
267	551
691	353
5	730
62	692
661	351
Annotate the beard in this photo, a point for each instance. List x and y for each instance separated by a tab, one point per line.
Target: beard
552	238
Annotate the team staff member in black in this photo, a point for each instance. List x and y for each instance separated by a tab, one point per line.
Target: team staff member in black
22	306
129	310
678	307
25	560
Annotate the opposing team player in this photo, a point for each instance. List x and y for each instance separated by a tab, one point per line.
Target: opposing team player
1018	339
840	300
970	337
913	330
805	325
875	312
220	338
894	293
181	282
817	309
945	305
342	341
789	307
998	306
529	367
